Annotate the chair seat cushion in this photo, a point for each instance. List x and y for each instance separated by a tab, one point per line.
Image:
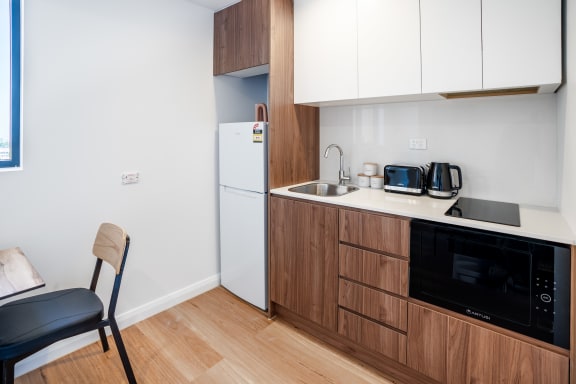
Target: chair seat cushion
35	319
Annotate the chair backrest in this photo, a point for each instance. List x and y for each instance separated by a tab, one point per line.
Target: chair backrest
110	244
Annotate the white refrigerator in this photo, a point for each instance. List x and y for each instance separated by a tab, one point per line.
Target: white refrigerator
243	158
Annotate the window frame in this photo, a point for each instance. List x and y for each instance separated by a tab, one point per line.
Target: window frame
15	64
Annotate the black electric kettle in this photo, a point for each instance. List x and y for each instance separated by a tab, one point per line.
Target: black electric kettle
440	180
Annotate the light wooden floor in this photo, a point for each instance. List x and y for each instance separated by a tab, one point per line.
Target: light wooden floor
213	338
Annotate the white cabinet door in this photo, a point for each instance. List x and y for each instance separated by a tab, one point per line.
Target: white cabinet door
325	50
521	42
388	48
451	45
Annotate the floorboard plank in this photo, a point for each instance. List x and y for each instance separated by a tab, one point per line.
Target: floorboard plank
214	338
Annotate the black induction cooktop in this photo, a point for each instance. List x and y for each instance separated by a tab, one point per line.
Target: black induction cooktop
486	210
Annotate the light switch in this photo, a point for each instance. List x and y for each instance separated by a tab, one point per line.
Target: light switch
417	144
132	177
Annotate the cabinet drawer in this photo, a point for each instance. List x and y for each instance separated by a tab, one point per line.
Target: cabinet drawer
380	271
369	302
372	335
382	233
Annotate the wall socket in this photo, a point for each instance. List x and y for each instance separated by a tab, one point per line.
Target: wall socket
417	144
131	177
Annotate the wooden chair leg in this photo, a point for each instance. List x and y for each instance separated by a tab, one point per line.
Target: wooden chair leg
103	339
122	351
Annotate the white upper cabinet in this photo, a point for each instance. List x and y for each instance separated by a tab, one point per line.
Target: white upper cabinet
388	48
352	51
451	45
521	41
325	50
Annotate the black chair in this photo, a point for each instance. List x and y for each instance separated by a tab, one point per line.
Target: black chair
31	324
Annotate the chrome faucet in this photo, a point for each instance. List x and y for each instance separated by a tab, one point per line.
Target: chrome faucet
342	178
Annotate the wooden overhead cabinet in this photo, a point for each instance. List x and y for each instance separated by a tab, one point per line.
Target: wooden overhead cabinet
242	36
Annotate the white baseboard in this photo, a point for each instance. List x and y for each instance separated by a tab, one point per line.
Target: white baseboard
125	319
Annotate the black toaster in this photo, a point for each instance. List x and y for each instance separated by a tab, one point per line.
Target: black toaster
407	179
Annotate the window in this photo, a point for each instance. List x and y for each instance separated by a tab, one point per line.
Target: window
10	85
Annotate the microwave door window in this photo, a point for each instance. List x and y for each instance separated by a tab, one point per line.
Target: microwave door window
496	278
484	275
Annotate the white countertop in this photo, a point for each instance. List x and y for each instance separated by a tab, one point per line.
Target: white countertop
535	222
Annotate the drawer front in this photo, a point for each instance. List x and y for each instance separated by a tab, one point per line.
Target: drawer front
377	305
382	233
372	335
380	271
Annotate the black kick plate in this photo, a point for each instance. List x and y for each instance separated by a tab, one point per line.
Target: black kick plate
486	210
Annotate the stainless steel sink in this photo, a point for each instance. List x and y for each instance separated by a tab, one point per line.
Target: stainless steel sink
324	189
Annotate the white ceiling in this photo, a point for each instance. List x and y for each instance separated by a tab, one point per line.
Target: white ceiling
215	5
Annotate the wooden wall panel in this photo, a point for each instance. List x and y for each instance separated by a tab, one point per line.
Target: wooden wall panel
294	133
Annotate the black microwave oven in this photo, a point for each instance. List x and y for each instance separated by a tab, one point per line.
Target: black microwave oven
518	283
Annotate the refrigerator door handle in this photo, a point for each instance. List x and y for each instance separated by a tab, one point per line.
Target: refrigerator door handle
241	192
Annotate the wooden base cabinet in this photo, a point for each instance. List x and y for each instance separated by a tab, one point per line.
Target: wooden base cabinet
453	351
304	259
373	285
372	335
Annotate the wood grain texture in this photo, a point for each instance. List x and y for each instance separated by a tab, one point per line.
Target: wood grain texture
383	233
214	338
478	355
256	32
241	36
304	259
454	351
377	270
372	335
225	40
294	130
391	369
386	309
427	342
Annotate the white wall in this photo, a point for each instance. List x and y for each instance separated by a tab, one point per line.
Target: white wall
567	120
113	86
505	146
236	97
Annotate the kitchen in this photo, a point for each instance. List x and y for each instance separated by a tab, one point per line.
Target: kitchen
148	109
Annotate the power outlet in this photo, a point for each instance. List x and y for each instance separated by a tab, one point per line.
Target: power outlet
417	144
132	177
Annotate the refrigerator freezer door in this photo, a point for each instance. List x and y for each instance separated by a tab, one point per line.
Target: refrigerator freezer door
243	244
243	155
